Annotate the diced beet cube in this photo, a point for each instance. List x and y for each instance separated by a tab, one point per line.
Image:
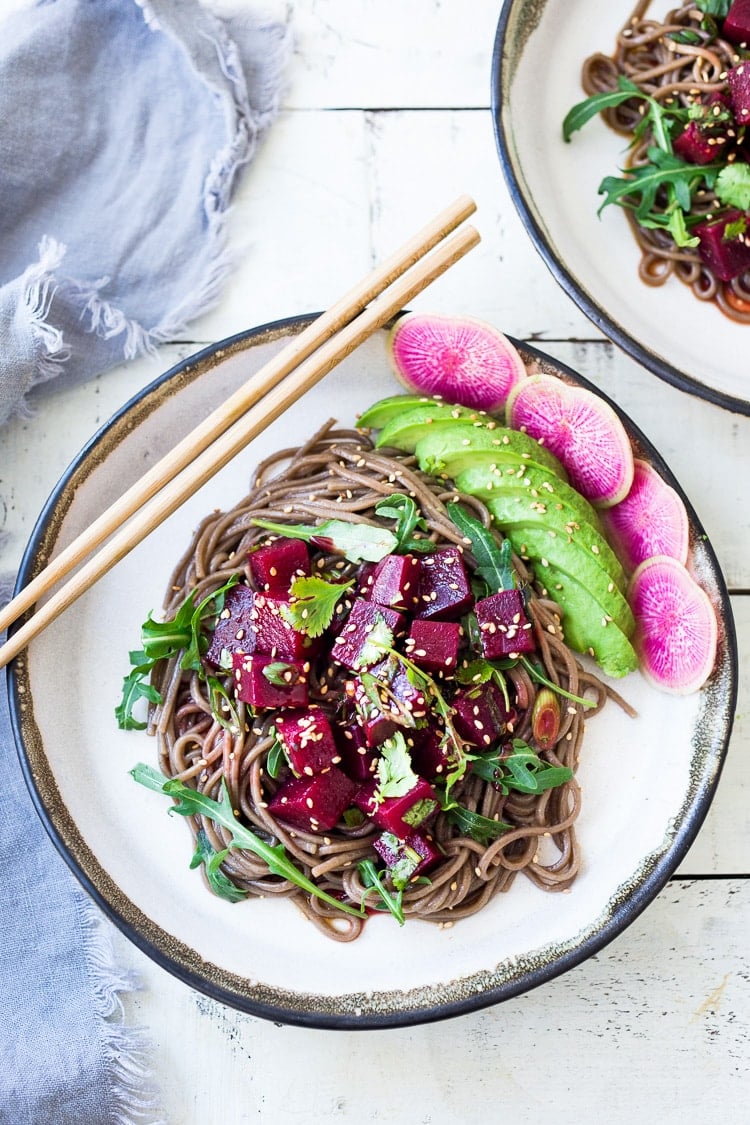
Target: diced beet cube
308	741
444	590
273	633
725	257
738	80
377	717
699	145
276	566
431	755
314	804
395	582
234	630
504	628
480	715
254	687
399	815
407	859
365	579
433	645
736	26
349	647
358	760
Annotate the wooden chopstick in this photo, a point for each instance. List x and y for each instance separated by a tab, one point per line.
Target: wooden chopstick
417	273
297	350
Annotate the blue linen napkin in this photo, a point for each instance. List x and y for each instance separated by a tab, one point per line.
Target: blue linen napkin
124	125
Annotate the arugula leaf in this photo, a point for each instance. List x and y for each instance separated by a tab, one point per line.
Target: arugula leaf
639	187
164	639
275	759
357	542
370	877
577	117
718	8
313	604
493	560
206	854
522	770
539	677
733	185
480	828
402	508
394	770
192	803
278	673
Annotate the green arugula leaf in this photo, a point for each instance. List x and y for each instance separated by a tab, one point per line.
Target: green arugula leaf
686	35
733	185
135	686
477	827
189	802
206	854
313	604
395	773
275	759
581	113
402	508
638	189
522	770
370	877
718	8
493	559
279	673
357	542
539	677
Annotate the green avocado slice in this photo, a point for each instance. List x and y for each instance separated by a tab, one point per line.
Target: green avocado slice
386	409
585	628
451	449
404	430
543	546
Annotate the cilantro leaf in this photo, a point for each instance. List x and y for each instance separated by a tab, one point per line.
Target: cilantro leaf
480	828
402	508
493	560
733	185
206	854
379	640
357	542
189	802
395	774
313	603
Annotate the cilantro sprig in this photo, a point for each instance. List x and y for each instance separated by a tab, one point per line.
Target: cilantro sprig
161	640
189	802
313	603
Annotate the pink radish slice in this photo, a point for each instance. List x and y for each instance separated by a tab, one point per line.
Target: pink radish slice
651	520
460	358
582	430
676	631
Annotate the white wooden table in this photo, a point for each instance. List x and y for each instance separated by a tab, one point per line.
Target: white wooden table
385	120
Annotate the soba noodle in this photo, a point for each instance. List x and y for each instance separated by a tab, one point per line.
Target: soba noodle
338	474
671	72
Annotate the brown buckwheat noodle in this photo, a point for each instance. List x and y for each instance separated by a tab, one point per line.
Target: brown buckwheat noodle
670	72
338	474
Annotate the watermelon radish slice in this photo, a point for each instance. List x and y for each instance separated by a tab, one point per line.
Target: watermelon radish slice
676	631
651	520
462	359
581	430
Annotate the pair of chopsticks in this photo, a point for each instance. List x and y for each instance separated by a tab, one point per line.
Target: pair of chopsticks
369	305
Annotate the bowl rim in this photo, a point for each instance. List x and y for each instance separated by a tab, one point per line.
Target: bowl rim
169	952
500	80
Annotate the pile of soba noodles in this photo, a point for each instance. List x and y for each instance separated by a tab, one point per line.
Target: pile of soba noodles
649	52
337	474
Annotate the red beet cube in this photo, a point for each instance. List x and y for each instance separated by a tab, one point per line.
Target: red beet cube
407	859
308	741
725	257
287	686
350	647
736	26
358	760
433	645
444	590
378	717
738	80
395	582
480	715
276	566
399	815
365	579
235	631
431	754
699	145
273	633
504	628
314	804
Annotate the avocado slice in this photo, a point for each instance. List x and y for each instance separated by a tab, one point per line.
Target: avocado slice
543	546
385	409
404	430
584	626
450	449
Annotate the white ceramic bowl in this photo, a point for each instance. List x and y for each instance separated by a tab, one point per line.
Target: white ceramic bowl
647	783
539	49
